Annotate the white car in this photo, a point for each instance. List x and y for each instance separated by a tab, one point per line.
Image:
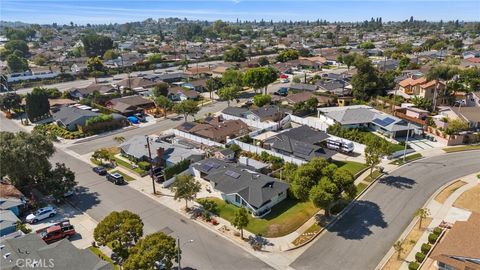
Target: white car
284	80
41	214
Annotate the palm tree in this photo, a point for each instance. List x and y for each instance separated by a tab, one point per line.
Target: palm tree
119	139
398	246
422	213
445	73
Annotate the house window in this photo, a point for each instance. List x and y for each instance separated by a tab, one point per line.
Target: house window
444	266
237	199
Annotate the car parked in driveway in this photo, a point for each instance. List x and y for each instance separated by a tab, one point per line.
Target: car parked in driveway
116	178
41	214
100	170
283	91
140	117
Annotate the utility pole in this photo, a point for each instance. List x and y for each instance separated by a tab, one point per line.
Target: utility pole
150	161
406	142
178	254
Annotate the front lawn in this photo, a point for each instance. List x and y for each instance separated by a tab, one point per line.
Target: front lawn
372	177
127	178
285	217
361	187
351	166
130	167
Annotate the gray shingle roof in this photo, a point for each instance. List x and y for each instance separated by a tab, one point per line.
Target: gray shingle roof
303	86
7	219
255	188
68	115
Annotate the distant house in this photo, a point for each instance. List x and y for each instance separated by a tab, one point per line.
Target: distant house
337	87
242	186
197	85
73	118
266	113
178	93
162	153
295	98
470	115
303	87
60	255
420	87
225	154
79	93
130	105
8	222
136	83
11	198
215	129
302	142
472	99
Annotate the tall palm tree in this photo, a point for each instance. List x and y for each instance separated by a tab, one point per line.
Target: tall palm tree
438	73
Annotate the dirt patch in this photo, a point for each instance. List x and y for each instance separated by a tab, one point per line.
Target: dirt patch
408	244
446	192
274	229
469	200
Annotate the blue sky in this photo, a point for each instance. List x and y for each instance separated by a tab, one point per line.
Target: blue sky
111	11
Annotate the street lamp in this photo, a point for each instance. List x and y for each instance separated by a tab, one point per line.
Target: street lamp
179	251
150	161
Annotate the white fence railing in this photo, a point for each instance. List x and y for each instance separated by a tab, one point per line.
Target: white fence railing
259	150
316	123
196	138
252	123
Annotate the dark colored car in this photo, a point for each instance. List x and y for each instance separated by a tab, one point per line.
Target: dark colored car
116	178
282	92
100	170
140	117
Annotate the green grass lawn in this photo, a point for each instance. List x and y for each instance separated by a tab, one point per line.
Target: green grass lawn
127	178
129	166
396	147
408	158
461	148
285	217
361	187
351	166
102	256
374	176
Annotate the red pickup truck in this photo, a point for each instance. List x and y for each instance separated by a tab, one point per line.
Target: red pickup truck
57	231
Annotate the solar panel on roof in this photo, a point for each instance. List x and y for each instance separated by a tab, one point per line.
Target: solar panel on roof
206	167
388	121
379	122
212	164
232	174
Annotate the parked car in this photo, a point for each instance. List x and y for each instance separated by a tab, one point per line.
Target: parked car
140	117
133	120
116	178
100	170
57	231
41	214
281	92
284	80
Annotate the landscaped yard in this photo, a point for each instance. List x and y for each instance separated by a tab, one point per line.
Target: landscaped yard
307	234
470	199
372	177
127	165
127	178
285	217
461	148
351	166
447	191
407	159
361	187
102	256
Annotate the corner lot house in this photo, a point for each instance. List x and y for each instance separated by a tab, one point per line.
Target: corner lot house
215	129
130	105
302	142
73	118
242	186
163	153
57	256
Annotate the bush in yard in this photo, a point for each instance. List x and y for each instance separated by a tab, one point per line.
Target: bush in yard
144	165
437	231
426	248
432	238
175	169
413	266
419	257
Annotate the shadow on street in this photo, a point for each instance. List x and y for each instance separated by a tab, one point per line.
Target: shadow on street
84	199
398	182
357	223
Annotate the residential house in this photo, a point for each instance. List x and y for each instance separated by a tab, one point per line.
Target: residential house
472	99
421	87
225	154
130	105
169	77
136	83
56	103
30	251
242	186
470	115
459	246
271	113
11	198
299	97
362	116
215	128
387	65
301	142
338	87
8	222
79	93
178	93
162	153
197	85
303	87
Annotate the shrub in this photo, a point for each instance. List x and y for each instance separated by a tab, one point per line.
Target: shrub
432	238
419	257
144	165
175	169
413	266
437	231
426	248
99	119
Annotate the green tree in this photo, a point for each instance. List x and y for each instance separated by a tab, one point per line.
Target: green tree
59	181
160	89
110	54
10	101
366	45
399	248
262	100
213	84
241	220
365	83
404	62
120	230
456	125
263	61
37	105
164	103
375	149
155	58
229	93
232	77
305	177
154	247
14	45
287	55
422	213
438	73
96	45
260	77
95	64
186	107
185	188
422	102
348	59
16	63
235	54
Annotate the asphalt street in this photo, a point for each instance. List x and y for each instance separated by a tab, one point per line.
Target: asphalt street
361	238
162	125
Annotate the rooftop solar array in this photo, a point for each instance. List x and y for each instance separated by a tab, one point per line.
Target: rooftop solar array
383	122
232	174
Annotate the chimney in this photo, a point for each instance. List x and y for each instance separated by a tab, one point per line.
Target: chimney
160	152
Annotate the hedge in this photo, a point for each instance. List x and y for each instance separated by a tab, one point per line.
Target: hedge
419	256
144	165
99	119
426	248
432	238
437	231
413	266
176	169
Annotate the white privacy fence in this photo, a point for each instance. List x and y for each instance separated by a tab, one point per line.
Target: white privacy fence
259	150
252	123
196	138
315	123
